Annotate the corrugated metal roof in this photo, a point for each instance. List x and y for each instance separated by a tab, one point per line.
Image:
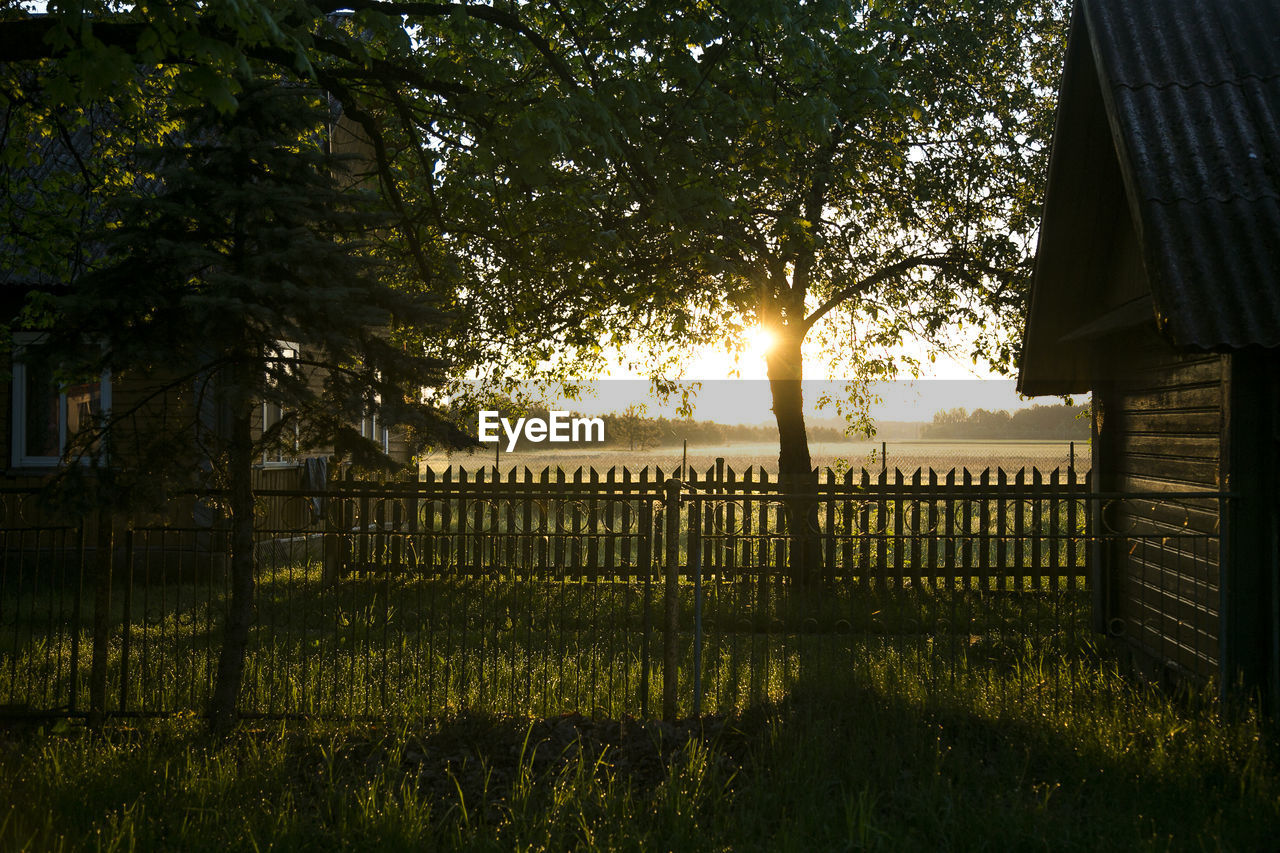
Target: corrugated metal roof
1192	89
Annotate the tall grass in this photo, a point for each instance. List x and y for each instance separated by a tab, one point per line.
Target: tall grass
407	645
891	762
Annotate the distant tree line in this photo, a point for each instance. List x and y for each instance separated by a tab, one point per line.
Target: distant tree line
1037	422
634	431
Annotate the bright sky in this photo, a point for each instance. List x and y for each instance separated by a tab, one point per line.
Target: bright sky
945	384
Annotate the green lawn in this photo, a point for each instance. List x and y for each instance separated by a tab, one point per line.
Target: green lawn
880	759
407	645
847	717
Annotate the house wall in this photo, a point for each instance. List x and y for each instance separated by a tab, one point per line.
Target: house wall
1161	417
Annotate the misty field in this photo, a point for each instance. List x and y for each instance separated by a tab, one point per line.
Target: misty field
907	455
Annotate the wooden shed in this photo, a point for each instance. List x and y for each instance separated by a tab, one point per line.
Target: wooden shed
1157	289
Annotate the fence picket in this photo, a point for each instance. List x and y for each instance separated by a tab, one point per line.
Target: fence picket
1036	531
1073	522
899	513
560	526
450	564
429	521
864	529
882	531
984	536
1020	528
917	541
545	548
625	543
1054	534
846	518
1002	527
762	549
749	564
717	567
966	548
593	529
513	530
731	527
477	543
949	541
610	531
526	527
830	538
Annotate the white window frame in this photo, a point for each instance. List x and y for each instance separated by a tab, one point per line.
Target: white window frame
279	459
18	414
370	429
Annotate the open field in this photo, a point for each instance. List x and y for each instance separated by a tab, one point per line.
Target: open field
907	455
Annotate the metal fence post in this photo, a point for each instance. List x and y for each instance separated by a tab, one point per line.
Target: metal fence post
101	618
126	616
671	593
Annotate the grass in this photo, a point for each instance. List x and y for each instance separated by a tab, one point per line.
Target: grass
399	646
860	763
850	718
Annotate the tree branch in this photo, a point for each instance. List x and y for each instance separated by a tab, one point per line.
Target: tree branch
499	17
949	262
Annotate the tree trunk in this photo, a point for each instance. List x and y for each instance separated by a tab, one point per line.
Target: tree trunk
226	693
795	468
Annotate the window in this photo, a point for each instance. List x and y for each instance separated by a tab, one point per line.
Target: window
46	416
272	413
372	430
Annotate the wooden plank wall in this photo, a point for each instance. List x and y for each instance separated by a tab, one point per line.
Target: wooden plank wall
1163	421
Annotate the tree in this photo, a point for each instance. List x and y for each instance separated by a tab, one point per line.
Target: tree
773	163
633	429
247	239
589	174
83	52
194	132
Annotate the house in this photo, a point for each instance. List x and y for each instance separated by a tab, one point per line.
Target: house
1157	289
156	398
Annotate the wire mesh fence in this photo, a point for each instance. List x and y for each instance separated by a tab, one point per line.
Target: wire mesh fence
610	593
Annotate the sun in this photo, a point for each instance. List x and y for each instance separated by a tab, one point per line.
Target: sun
759	341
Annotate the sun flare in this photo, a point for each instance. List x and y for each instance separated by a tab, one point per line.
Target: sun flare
759	341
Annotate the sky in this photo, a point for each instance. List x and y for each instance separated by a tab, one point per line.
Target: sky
946	383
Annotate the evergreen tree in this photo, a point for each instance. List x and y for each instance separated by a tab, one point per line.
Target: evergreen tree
244	264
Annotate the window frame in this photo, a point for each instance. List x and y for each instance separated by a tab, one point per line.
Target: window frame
374	431
19	405
279	459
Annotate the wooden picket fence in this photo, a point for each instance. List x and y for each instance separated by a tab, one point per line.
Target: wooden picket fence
989	529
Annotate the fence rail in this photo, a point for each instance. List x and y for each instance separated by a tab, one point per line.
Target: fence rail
610	592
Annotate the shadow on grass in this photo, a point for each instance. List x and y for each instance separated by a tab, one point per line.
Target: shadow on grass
1116	768
836	765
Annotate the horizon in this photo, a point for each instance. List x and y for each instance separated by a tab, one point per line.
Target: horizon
747	402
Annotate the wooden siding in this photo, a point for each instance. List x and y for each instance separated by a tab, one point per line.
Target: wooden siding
1163	416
